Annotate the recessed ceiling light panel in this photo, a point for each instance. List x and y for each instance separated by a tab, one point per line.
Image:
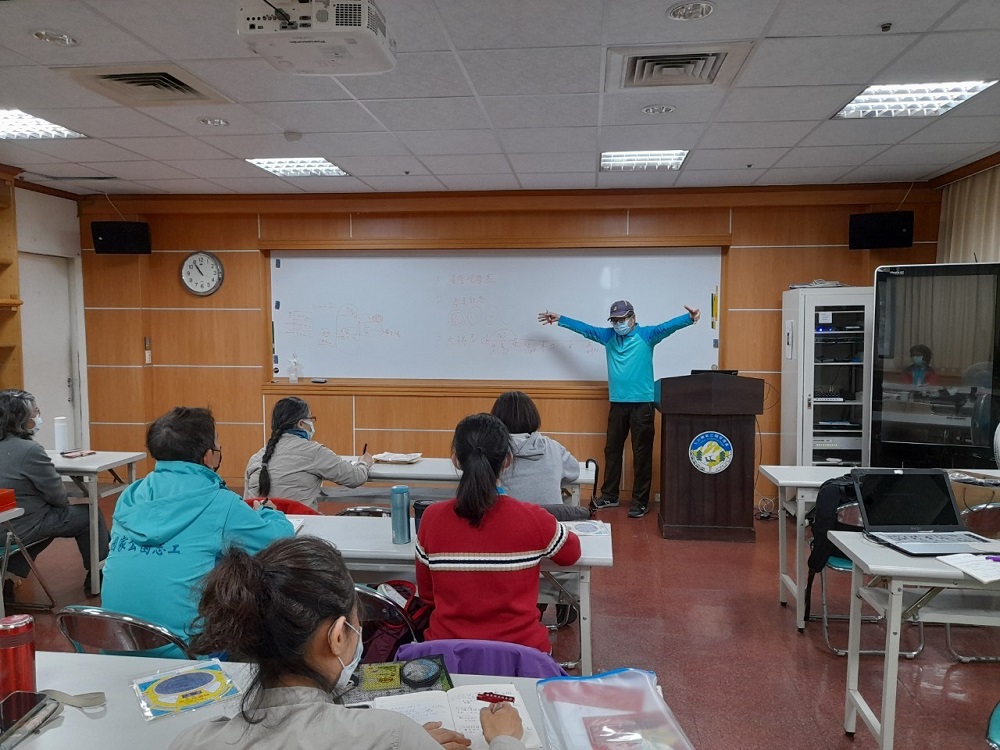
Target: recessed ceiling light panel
18	125
632	161
54	37
911	99
299	167
690	11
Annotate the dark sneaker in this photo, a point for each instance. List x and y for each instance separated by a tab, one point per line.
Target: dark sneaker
566	614
604	502
638	511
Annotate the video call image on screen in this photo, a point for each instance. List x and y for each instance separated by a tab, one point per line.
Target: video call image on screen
933	375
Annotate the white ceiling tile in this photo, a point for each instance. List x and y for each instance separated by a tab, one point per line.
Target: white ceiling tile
214	168
187	119
828	156
272	184
733	158
81	150
461	113
480	182
180	147
317	117
625	107
9	58
38	172
571	110
855	17
802	176
257	147
627	180
363	166
717	177
329	184
657	137
948	56
558	163
861	132
257	80
19	152
141	170
928	153
188	186
820	60
555	23
959	130
785	103
468	165
548	70
891	173
35	87
754	134
548	140
115	187
354	144
553	181
404	183
415	25
636	22
425	142
419	74
974	14
106	122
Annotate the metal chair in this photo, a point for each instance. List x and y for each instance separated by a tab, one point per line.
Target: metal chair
370	511
13	545
384	625
104	631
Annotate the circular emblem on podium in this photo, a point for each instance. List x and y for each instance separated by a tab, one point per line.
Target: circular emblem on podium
711	452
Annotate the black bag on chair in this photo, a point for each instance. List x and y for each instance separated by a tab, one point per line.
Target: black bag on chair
832	494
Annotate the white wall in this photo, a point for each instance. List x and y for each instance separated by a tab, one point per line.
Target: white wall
46	225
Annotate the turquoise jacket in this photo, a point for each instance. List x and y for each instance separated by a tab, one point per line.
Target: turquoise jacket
630	357
168	531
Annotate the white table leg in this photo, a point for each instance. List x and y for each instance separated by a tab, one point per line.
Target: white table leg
800	562
893	628
853	653
586	655
782	545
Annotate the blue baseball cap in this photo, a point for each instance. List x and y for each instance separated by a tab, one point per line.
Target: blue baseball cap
621	309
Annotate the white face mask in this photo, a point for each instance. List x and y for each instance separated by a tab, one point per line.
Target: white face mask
345	676
622	328
38	423
309	427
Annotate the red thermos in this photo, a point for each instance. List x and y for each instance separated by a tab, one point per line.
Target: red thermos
17	654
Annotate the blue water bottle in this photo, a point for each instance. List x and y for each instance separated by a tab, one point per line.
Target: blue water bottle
400	514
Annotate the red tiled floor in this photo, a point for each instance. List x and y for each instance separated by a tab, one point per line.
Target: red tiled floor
705	617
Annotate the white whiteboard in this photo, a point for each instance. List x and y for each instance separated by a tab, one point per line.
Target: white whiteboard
474	316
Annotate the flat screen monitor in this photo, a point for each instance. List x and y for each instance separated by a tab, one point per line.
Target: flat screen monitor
935	386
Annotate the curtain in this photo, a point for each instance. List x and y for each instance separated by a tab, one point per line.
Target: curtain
970	220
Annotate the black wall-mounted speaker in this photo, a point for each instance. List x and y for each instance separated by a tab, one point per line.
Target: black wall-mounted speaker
881	230
121	237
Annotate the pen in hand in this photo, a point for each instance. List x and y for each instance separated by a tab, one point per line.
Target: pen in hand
365	449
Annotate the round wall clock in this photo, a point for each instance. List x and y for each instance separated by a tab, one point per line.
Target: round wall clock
201	274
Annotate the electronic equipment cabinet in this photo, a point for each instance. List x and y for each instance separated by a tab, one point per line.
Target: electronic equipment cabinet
825	375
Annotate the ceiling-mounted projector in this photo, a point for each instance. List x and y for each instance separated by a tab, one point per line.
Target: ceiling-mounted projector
318	37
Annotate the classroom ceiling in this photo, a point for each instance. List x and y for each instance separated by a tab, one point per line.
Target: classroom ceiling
504	95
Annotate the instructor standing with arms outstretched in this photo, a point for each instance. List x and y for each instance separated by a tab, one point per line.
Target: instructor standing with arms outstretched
629	350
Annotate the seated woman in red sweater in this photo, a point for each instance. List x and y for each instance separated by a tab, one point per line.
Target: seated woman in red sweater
478	555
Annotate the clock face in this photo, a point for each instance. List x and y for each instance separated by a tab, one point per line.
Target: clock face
202	274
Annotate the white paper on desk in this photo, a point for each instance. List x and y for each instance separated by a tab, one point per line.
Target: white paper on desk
398	458
978	566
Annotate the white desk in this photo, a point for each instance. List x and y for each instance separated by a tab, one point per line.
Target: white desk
442	471
797	488
121	726
84	472
899	572
366	544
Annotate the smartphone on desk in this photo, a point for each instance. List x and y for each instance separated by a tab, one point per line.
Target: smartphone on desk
76	454
22	714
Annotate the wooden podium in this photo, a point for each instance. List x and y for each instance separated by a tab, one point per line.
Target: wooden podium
707	456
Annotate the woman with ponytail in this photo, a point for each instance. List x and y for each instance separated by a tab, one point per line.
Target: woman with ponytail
478	555
291	611
292	465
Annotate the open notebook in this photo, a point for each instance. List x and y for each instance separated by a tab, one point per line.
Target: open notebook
914	511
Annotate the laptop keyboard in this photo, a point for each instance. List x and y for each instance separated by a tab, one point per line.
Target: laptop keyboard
928	537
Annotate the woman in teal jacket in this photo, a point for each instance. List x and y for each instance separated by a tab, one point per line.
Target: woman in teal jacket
170	528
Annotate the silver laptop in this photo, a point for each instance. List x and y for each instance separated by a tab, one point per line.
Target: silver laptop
913	511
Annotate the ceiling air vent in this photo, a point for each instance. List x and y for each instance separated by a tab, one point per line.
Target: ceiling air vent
145	85
674	65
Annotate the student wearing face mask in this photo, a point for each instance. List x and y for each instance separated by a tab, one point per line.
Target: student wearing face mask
38	489
291	611
170	527
919	371
292	465
629	351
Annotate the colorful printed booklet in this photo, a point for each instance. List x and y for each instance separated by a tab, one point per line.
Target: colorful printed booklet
183	689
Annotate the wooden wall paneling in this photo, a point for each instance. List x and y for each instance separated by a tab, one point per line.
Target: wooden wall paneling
206	337
672	222
920	253
769	454
112	280
117	394
114	337
241	282
334	419
417	412
770	420
765	272
433	444
122	437
792	225
754	339
231	392
238	443
212	232
282	229
572	413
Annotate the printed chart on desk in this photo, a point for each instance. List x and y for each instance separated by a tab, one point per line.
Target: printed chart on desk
474	315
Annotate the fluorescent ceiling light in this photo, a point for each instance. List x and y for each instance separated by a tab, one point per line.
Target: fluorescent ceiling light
299	167
17	125
911	99
630	161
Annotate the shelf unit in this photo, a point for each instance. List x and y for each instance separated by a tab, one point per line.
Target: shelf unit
825	372
11	370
